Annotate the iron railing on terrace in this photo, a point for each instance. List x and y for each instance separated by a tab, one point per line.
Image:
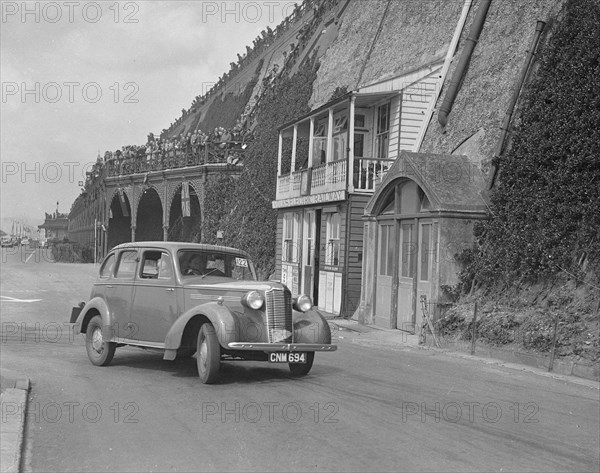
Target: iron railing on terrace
230	152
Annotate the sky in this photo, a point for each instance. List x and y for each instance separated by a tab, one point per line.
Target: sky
80	78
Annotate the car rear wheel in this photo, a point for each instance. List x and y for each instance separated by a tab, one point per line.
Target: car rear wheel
100	352
298	369
208	354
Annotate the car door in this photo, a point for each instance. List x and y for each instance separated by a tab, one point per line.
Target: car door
119	293
155	297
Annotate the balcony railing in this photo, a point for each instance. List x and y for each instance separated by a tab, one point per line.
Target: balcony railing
369	172
329	177
332	176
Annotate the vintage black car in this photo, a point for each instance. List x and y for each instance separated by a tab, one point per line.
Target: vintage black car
187	299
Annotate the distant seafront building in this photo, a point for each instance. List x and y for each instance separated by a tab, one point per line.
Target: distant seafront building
55	226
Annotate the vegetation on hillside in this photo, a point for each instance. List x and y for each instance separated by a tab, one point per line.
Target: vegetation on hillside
537	258
544	212
241	208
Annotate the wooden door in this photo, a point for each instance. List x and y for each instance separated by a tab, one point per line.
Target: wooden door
308	253
426	261
406	276
385	266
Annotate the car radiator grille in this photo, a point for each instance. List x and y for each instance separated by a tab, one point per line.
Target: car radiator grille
279	315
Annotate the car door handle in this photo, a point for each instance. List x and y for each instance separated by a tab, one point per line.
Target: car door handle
109	286
169	289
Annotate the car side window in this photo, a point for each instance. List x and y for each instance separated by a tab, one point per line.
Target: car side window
108	266
165	268
156	265
127	264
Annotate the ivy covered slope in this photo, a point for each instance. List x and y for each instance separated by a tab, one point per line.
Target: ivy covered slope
546	207
241	208
538	255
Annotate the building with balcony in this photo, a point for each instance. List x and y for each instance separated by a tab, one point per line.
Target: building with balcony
55	226
330	163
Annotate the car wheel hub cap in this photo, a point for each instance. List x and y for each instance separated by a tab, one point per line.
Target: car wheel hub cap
97	340
203	353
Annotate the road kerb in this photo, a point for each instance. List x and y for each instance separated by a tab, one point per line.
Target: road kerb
13	403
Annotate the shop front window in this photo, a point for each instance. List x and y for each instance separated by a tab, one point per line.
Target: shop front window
332	256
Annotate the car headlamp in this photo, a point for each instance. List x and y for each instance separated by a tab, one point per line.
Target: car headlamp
303	303
253	300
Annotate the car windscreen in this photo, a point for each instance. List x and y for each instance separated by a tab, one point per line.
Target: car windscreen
207	263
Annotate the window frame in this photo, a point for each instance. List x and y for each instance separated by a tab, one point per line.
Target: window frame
105	263
122	254
332	236
382	135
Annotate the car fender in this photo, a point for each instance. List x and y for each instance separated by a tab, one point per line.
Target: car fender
310	327
223	320
97	304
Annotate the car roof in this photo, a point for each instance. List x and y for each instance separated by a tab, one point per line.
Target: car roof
174	246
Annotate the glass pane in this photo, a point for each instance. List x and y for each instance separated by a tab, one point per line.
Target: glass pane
165	269
383	248
107	267
409	198
336	252
127	264
335	225
382	146
425	252
390	251
319	151
359	145
383	122
214	264
407	250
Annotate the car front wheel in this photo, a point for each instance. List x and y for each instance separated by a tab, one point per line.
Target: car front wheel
100	352
208	354
298	369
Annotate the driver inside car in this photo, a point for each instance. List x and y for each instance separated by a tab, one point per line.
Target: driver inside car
196	266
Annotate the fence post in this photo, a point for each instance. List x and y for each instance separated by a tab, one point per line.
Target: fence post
474	332
553	343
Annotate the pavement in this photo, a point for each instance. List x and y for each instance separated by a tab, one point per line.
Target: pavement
578	373
14	387
14	390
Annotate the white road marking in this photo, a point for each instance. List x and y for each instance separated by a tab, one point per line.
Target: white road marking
12	299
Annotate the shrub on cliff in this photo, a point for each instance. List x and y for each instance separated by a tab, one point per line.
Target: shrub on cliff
544	210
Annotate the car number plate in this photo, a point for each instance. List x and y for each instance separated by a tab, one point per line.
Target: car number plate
285	357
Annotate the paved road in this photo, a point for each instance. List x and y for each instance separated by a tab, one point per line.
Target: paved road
364	408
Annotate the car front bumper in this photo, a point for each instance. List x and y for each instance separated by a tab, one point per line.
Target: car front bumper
292	347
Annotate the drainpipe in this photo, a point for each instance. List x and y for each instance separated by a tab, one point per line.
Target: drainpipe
463	62
513	101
